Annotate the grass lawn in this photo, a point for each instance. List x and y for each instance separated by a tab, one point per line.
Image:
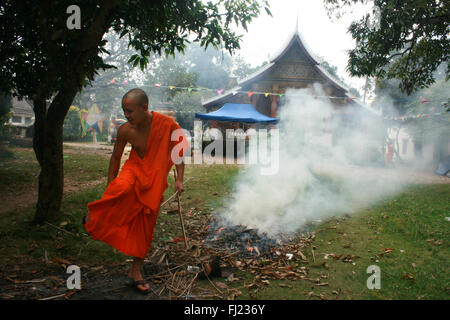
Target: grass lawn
407	236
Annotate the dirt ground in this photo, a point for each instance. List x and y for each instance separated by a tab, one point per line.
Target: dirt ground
96	283
12	200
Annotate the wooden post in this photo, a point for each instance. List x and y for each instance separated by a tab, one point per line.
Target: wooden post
274	104
254	97
274	107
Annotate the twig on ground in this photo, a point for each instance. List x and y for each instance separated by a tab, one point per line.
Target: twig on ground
52	225
204	271
54	297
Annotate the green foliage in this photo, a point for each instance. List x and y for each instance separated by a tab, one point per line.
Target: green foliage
428	101
414	32
332	70
212	66
185	105
170	72
73	124
5	115
243	69
38	47
101	91
434	128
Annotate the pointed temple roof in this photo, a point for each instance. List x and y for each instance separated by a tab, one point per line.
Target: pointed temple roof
295	46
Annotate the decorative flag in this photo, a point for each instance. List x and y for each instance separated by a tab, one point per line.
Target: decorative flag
189	90
172	87
100	125
157	85
112	81
219	92
94	118
250	93
423	100
266	94
125	82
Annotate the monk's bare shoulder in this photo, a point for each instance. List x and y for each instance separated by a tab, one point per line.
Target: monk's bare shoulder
125	132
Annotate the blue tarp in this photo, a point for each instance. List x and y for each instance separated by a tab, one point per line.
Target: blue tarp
444	167
236	113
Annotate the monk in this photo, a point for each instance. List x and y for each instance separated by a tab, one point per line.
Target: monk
125	216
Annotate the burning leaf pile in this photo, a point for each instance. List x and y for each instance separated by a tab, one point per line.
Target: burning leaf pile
219	251
248	242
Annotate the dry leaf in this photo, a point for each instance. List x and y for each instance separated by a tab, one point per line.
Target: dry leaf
253	285
301	255
221	285
408	276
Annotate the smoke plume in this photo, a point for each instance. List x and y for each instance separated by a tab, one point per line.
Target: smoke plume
317	177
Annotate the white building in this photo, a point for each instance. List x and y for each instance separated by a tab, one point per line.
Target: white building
22	118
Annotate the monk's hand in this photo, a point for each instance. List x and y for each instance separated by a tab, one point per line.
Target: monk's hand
179	186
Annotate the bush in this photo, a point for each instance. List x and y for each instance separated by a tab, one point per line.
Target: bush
73	129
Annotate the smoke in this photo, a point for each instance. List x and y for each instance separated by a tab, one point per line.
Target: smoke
317	177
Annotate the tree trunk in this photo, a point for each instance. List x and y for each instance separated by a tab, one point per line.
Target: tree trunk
48	138
48	147
47	144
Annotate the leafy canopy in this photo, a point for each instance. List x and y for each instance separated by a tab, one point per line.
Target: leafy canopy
38	51
402	39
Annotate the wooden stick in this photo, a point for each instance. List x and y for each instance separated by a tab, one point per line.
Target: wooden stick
204	271
171	197
179	212
52	225
53	297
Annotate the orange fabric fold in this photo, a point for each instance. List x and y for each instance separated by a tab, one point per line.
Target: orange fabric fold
125	216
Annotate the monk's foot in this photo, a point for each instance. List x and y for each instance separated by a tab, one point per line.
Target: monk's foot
138	282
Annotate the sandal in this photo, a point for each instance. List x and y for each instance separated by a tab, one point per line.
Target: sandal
136	283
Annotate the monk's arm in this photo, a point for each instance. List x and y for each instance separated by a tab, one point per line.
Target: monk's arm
114	162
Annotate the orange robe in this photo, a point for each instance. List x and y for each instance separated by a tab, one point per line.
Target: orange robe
125	216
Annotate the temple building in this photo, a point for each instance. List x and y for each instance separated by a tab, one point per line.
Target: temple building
294	67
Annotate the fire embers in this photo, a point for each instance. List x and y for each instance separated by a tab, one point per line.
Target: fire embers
248	242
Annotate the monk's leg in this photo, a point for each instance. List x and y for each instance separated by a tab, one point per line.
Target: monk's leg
136	274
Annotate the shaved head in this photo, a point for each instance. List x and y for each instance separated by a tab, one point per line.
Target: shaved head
137	95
